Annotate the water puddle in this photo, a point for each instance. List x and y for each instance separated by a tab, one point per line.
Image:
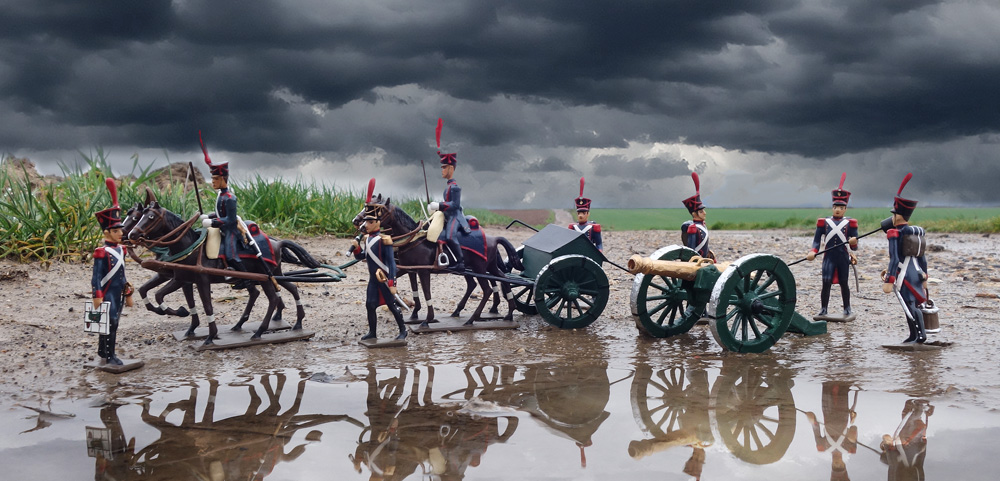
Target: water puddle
713	420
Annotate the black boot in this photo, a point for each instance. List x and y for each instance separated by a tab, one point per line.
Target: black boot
396	313
845	292
921	334
913	331
372	324
824	298
238	283
456	250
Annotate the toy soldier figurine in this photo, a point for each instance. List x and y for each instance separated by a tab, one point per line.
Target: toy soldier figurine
381	267
226	219
832	232
584	225
108	282
694	233
455	223
906	275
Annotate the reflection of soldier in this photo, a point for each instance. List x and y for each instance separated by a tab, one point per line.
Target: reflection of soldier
841	435
906	449
113	455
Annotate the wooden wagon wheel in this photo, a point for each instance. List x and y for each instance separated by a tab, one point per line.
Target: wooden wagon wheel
668	400
755	415
660	304
752	303
571	291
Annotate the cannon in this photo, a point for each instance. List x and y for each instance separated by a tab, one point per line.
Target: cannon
749	303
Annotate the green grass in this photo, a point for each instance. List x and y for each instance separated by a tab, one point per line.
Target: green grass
934	219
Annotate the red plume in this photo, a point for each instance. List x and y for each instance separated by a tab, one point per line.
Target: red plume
697	183
581	186
371	189
906	179
207	160
437	132
113	190
843	177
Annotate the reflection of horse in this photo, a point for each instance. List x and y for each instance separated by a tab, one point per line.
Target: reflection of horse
409	430
199	445
132	218
416	256
159	227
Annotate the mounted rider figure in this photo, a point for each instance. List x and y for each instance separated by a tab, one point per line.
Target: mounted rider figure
455	223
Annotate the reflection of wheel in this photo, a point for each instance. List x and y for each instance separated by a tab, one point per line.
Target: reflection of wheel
755	415
571	291
752	303
571	397
660	304
667	401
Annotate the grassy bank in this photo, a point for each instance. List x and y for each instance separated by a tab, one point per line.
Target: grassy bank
56	221
934	219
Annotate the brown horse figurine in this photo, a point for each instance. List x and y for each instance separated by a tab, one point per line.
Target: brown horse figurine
416	257
159	227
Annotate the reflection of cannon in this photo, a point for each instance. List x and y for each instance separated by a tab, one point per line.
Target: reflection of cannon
750	302
569	401
246	446
410	431
750	409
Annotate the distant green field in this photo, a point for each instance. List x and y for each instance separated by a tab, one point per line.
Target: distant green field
934	219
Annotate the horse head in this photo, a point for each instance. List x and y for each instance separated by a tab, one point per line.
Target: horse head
151	223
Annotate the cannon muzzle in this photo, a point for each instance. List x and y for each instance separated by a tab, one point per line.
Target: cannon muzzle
675	269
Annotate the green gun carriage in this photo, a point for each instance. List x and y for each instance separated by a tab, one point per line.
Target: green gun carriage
749	303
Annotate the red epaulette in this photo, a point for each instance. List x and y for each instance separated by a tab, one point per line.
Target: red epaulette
853	222
820	222
100	253
570	226
596	228
692	229
892	234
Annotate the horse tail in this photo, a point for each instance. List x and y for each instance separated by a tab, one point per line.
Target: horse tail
296	254
513	258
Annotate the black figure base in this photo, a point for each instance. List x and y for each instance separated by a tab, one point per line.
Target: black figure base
125	366
917	346
835	317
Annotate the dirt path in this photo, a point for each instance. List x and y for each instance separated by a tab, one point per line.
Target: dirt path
43	348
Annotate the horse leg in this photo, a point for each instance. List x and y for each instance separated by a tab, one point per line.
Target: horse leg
507	294
171	286
188	290
425	282
145	288
484	284
272	300
253	293
205	292
300	312
470	285
416	295
496	298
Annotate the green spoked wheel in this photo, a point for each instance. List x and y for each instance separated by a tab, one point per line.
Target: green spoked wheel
755	415
571	291
671	403
661	305
752	303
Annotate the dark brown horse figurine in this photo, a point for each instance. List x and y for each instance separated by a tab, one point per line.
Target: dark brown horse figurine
128	223
416	256
159	227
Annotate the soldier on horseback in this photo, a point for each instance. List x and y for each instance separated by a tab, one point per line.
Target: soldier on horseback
455	223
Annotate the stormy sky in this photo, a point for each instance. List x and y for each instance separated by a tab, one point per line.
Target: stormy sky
769	100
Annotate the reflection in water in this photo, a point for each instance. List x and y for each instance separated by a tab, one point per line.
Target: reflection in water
750	408
408	430
906	449
841	435
245	446
569	401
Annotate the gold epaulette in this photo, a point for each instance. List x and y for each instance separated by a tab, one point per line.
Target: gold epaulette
386	239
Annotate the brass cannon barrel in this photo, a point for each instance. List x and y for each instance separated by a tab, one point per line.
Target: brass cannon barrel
675	269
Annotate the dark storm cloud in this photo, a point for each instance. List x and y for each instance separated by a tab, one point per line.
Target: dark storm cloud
648	169
514	80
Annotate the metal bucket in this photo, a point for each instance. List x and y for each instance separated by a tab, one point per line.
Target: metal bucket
930	311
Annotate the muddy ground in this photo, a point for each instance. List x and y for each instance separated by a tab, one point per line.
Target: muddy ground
43	348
